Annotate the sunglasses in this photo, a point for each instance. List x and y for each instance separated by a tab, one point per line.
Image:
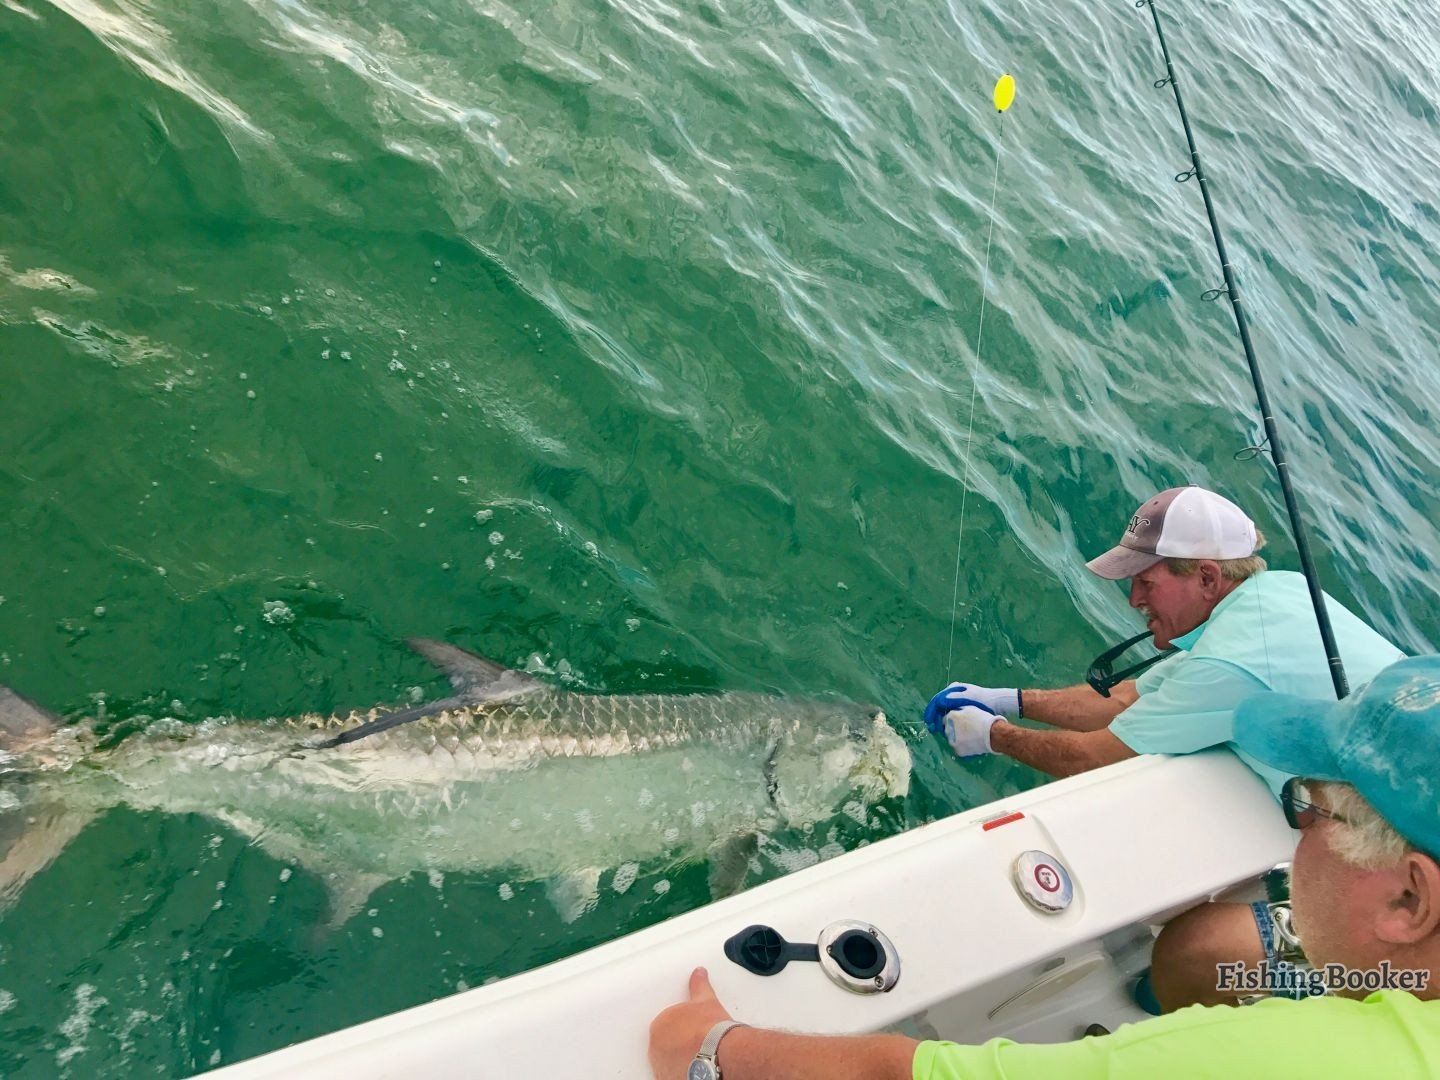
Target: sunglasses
1300	811
1102	675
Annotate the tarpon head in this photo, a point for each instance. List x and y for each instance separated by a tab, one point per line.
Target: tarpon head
856	755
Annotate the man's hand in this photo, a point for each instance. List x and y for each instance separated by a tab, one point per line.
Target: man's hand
967	730
1004	702
676	1034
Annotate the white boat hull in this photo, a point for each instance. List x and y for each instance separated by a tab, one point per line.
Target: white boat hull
1142	841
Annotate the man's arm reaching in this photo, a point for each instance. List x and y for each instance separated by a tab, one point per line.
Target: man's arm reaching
1077	708
779	1055
757	1054
1058	753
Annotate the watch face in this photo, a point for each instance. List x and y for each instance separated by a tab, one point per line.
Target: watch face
700	1069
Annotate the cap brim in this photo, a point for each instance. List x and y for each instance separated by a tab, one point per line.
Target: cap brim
1293	734
1122	562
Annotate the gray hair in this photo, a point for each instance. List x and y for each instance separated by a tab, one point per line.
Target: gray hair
1364	839
1230	569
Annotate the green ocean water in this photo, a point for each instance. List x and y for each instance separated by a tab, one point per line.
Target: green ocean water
634	343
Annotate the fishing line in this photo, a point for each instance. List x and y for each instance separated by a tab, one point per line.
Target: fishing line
1003	95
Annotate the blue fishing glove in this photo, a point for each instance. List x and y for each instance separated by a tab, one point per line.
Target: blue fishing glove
1003	702
967	730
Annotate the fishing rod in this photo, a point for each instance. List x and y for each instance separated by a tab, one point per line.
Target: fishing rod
1231	288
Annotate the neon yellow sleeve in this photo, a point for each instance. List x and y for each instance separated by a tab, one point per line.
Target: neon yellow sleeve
1001	1059
1390	1033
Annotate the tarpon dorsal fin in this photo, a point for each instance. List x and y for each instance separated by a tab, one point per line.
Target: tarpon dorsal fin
475	677
22	722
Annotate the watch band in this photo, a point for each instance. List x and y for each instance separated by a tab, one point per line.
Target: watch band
711	1045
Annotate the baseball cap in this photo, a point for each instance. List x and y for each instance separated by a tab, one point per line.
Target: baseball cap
1383	740
1179	523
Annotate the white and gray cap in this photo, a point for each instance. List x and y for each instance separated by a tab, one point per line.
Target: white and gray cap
1179	523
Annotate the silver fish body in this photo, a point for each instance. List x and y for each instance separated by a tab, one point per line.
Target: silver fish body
508	773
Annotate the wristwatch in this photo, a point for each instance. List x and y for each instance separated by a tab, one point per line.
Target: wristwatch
705	1067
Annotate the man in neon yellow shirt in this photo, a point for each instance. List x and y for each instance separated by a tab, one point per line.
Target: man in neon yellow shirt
1366	894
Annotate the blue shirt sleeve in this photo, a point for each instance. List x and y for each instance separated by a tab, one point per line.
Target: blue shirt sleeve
1191	709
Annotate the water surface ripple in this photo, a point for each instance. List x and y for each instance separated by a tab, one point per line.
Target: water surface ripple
634	342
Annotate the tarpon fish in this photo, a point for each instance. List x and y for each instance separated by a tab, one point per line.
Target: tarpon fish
507	771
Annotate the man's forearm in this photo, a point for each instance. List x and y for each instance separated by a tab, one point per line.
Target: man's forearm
1059	753
759	1054
1077	708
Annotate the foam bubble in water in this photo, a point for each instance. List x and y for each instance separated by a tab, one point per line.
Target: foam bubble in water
7	1001
496	538
278	613
624	877
285	874
662	887
76	1026
506	892
482	516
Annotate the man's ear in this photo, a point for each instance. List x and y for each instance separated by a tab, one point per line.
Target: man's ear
1211	577
1412	911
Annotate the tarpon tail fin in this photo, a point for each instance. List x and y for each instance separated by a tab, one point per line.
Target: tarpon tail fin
23	724
476	678
30	839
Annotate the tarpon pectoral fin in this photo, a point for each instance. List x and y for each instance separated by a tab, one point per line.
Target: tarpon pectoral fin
348	894
729	860
477	678
22	722
574	892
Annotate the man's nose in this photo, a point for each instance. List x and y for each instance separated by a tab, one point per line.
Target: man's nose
1135	588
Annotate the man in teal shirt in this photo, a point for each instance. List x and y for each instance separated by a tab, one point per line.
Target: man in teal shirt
1366	888
1191	558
